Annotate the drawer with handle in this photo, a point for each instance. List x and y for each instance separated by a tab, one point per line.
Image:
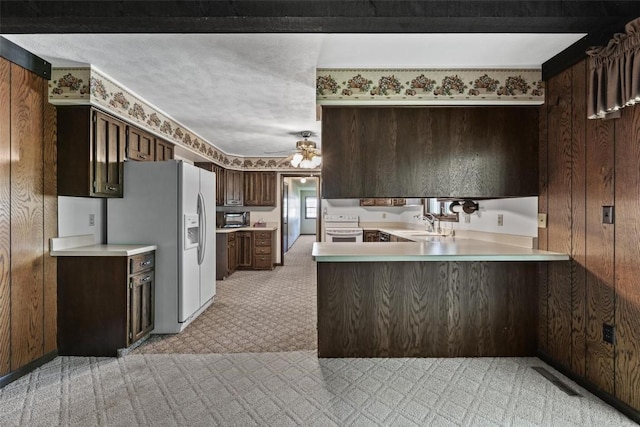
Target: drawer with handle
263	242
141	262
263	261
263	250
262	235
142	278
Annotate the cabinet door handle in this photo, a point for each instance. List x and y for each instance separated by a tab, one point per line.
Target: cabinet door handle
145	279
147	262
110	188
142	156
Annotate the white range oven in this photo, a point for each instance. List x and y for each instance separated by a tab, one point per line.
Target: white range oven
342	229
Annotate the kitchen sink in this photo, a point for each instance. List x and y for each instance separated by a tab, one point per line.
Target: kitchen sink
426	237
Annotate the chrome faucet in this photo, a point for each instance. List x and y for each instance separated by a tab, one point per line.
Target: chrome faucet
430	219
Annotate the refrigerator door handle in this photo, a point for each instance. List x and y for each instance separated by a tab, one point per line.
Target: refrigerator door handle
202	219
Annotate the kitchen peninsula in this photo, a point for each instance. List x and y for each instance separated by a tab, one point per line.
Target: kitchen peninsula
441	297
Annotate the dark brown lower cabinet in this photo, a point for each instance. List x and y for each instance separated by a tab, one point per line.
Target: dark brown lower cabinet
263	250
427	309
371	236
244	242
105	303
244	250
227	255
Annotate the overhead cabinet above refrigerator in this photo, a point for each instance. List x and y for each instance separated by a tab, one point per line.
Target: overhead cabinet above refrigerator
172	205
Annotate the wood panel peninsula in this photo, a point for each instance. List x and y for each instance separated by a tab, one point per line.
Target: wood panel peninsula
438	297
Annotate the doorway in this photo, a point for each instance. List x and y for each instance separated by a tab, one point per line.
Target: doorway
299	209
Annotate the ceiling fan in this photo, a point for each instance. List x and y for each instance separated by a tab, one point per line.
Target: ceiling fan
306	154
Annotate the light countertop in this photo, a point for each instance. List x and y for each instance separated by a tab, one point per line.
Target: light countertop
231	230
84	245
436	249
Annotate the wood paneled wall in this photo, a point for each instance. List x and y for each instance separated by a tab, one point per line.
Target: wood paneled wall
627	256
28	218
585	165
5	215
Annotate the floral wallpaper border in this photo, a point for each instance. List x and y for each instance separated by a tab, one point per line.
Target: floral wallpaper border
429	86
89	86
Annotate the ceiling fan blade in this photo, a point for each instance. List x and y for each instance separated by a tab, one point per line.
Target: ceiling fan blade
277	152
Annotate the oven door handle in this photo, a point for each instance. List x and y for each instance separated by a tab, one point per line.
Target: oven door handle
351	233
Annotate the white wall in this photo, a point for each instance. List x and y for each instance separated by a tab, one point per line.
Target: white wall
307	226
294	211
519	215
368	213
73	217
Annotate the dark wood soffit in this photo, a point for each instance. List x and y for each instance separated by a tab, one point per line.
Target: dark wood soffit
577	51
242	16
14	53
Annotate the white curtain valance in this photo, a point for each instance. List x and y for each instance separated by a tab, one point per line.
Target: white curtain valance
614	73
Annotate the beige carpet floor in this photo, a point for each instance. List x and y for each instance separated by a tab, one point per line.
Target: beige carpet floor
245	385
295	389
254	311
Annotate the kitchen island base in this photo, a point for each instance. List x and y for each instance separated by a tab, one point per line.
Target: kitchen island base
427	309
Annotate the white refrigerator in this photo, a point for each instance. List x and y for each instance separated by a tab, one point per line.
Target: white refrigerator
171	204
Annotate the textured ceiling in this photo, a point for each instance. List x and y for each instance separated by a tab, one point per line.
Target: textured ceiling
250	93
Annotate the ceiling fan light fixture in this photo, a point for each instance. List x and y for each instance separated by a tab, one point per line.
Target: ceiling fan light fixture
308	155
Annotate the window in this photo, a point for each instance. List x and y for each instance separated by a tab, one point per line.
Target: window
440	208
310	207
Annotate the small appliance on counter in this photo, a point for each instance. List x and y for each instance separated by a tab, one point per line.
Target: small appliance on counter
235	219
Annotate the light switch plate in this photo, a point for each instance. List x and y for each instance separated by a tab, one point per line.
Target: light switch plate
542	220
607	214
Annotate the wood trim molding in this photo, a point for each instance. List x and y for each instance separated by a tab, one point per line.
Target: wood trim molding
591	388
29	367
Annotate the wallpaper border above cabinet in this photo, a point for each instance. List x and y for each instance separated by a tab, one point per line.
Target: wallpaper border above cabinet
90	86
338	86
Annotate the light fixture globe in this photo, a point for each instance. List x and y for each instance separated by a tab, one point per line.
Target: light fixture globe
295	161
307	156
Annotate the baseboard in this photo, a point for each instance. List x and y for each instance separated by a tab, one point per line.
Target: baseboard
630	412
31	366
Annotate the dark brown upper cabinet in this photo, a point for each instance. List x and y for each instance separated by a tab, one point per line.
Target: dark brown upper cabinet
91	150
163	150
220	179
259	188
140	145
462	152
234	186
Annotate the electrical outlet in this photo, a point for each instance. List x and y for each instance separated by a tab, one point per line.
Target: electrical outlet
92	220
500	220
542	220
467	218
384	215
608	333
